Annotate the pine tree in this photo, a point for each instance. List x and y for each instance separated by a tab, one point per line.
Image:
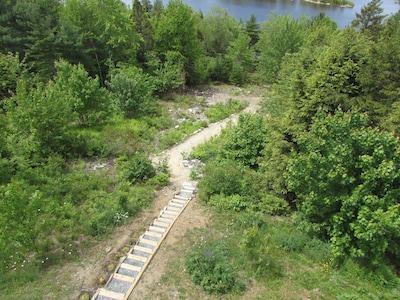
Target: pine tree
369	21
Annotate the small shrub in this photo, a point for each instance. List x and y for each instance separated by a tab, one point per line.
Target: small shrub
257	249
318	250
220	111
170	138
274	206
139	197
209	267
232	202
84	296
194	174
220	178
292	241
161	179
207	150
111	267
99	224
132	91
136	169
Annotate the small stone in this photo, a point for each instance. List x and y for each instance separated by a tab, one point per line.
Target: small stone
108	249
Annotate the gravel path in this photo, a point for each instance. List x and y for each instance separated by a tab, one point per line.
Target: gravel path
179	173
195	216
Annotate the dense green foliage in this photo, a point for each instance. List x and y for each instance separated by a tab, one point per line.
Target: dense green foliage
328	148
352	191
276	260
208	265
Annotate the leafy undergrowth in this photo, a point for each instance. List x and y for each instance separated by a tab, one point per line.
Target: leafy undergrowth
191	113
220	111
60	208
272	259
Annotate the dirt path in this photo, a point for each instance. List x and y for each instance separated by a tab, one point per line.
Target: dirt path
174	155
86	273
194	216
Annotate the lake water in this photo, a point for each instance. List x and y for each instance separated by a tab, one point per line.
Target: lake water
243	9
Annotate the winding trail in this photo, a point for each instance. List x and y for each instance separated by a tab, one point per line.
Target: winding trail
193	216
140	270
178	172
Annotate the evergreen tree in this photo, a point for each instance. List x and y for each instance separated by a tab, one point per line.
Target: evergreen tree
370	20
218	29
252	29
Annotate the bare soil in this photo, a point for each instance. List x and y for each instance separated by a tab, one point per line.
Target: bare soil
92	268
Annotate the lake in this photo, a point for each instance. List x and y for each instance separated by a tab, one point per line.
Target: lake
243	9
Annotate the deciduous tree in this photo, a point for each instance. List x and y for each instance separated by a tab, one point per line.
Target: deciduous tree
347	178
279	35
175	30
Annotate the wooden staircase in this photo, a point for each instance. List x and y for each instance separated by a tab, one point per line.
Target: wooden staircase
132	266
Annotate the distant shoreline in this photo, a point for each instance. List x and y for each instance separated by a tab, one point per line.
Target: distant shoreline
348	5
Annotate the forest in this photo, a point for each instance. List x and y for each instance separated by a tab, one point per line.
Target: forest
84	81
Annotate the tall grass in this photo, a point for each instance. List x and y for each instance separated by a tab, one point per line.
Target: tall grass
277	262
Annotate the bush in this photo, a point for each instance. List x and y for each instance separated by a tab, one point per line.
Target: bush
318	250
98	213
136	169
232	202
220	178
161	179
291	241
208	266
258	250
133	91
132	199
274	206
207	150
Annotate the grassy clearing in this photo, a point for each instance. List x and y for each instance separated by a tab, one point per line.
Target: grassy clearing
190	113
275	261
220	111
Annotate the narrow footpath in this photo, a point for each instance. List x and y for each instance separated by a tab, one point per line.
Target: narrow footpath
125	283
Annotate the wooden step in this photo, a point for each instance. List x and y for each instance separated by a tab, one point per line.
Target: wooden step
188	186
172	208
166	216
136	257
148	242
130	267
153	234
160	224
165	220
110	294
123	277
190	193
176	205
171	212
179	201
155	230
142	249
181	198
